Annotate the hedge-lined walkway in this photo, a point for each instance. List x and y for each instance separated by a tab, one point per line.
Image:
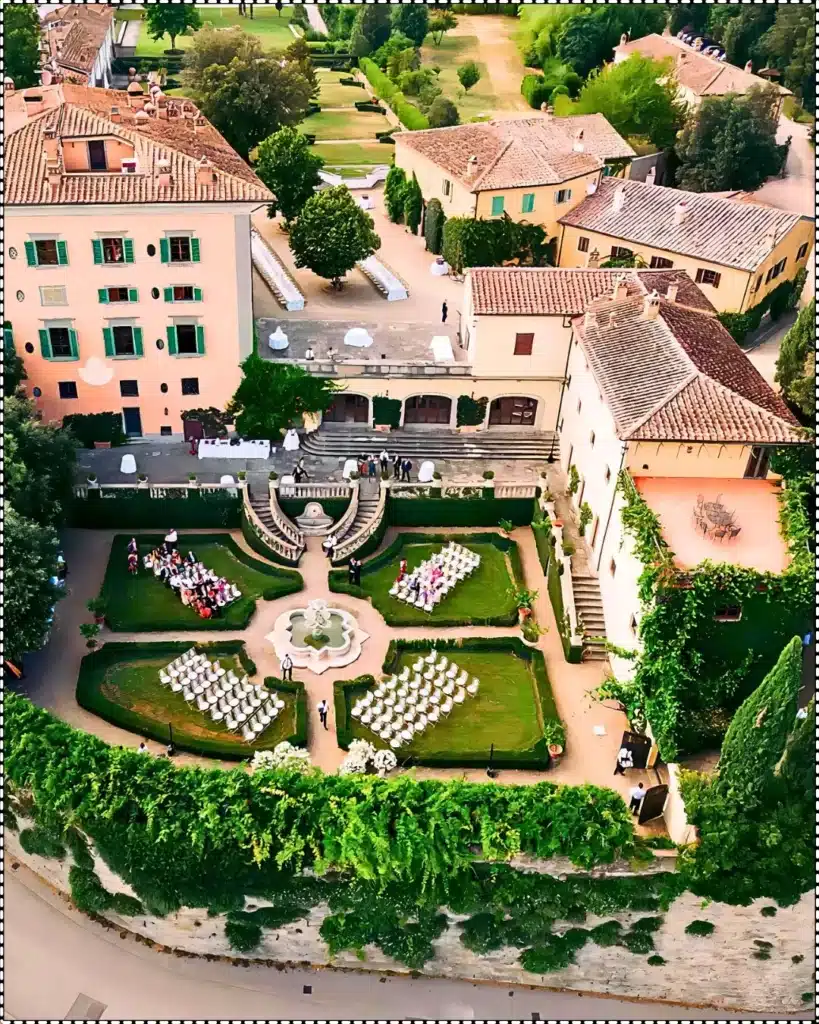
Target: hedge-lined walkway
51	674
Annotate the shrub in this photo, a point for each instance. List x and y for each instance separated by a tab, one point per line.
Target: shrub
638	941
471	412
394	188
125	905
75	841
243	935
247	663
489	474
409	116
535	90
413	205
477	242
607	934
701	928
87	892
568	547
443	113
655	960
768	911
41	842
586	516
434	226
99	426
386	411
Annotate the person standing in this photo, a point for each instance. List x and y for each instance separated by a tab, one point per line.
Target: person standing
171	537
302	470
384	459
356	562
396	465
624	760
406	469
132	546
636	794
351	572
372	467
323	709
287	669
444	312
143	748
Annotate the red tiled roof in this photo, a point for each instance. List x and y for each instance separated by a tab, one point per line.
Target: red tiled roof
88	26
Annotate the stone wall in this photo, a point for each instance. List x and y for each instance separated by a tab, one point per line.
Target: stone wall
718	971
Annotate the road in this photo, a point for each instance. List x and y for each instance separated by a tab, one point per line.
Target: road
53	954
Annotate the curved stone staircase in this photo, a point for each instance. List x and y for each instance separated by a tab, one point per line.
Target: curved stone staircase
272	525
369	510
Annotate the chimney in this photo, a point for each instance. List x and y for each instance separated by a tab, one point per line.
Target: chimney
651	306
680	213
115	115
163	172
770	238
578	146
141	119
51	145
749	67
593	260
619	200
471	167
33	104
204	172
136	97
8	85
46	77
198	123
589	319
620	288
671	293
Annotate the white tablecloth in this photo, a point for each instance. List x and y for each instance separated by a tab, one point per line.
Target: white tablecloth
217	449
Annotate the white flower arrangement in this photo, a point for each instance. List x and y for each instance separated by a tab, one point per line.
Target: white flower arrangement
362	756
384	761
283	756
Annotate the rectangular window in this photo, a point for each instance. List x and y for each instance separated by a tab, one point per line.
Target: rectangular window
123	340
447	187
528	204
166	431
563	195
53	295
661	263
59	340
180	249
582	244
129	388
190	385
708	277
730	613
621	252
96	155
113	250
758	284
776	270
497	206
183	293
47	253
523	344
68	389
107	295
186	339
803	251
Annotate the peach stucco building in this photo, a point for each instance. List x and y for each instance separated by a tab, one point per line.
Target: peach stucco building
128	272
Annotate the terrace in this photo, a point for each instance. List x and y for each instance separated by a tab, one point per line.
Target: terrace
754	506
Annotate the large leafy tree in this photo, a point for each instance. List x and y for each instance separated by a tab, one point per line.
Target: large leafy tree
14	371
789	45
40	461
21	30
440	24
287	166
272	396
412	20
216	47
394	188
469	74
30	562
332	234
298	52
795	366
636	98
443	113
373	22
587	41
172	20
730	143
739	27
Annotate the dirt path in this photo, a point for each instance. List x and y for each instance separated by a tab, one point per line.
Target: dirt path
497	50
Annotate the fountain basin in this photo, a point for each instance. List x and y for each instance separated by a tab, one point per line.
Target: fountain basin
333	642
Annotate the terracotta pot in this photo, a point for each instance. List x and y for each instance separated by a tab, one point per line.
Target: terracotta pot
558	522
555	752
524	614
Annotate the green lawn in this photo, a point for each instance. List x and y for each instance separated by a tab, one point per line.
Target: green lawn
271	27
348	170
120	683
508	711
142	603
454	51
483	597
344	124
355	153
333	94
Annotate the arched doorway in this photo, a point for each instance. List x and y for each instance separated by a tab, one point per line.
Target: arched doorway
348	409
428	409
513	411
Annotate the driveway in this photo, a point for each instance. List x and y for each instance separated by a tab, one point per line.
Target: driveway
794	192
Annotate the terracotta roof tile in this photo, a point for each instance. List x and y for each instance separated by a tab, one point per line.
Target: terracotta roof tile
88	26
554	291
520	152
724	231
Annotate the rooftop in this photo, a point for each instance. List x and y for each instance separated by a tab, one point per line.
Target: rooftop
169	130
670	373
552	291
703	75
520	152
759	544
87	26
730	232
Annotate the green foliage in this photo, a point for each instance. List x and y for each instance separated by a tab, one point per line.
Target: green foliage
655	960
443	512
213	420
632	260
125	905
273	396
574	479
440	24
471	411
469	74
788	46
244	936
14	371
75	841
729	143
30	551
475	242
586	516
398	54
442	113
287	165
39	464
373	22
768	911
413	204
135	508
434	221
410	116
87	892
587	40
332	234
171	20
386	411
699	928
412	20
21	29
535	90
795	365
394	188
42	842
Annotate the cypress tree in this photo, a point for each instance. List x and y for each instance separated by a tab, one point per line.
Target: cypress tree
413	205
394	189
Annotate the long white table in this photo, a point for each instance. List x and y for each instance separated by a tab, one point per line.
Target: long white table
210	448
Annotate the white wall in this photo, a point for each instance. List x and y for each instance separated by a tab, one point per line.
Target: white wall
619	591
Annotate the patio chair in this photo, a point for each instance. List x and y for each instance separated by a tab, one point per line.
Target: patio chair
733	531
720	533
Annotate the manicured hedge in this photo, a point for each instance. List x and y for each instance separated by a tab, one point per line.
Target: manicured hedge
136	509
458	511
259	545
296	687
536	90
99	426
90	696
383	86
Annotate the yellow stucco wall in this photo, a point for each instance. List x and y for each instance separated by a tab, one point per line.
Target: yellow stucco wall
727	461
459	203
546	210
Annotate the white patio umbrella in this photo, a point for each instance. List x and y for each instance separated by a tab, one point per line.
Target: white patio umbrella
357	337
278	340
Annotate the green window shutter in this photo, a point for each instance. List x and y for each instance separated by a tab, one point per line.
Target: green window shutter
195	250
45	344
172	350
200	339
31	254
197	294
138	341
528	202
128	249
108	338
164	250
62	253
102	294
72	340
133	295
169	294
497	205
96	244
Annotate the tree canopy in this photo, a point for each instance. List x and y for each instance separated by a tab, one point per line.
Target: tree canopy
373	23
586	41
412	20
39	463
394	188
30	551
469	74
413	204
273	396
795	366
14	371
21	33
729	143
332	234
789	45
287	166
440	24
442	113
171	19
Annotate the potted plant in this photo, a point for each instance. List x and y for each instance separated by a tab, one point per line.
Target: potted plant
242	474
142	480
586	516
506	525
90	630
192	479
91	479
97	608
555	735
524	599
272	475
488	474
531	632
568	547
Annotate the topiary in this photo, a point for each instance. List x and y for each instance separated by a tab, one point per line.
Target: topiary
87	891
655	960
40	842
243	935
125	905
638	941
701	928
434	220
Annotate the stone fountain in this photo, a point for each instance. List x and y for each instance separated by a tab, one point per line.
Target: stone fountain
317	637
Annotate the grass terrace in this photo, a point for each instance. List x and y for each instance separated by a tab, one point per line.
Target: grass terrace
360	155
142	603
449	56
120	683
513	706
333	94
344	124
270	25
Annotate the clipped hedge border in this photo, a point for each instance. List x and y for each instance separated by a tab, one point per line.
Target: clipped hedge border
138	510
261	548
437	511
536	758
91	699
339	581
297	688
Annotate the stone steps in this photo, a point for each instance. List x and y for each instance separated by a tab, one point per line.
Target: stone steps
442	444
589	606
261	506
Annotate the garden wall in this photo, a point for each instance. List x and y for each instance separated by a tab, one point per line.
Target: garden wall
133	509
459	511
719	970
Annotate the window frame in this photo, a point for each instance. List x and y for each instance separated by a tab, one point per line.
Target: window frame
98	143
583	243
524	343
130	394
72	353
702	275
802	251
32	248
660	263
70	384
563	195
531	207
446	188
495	211
189	381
